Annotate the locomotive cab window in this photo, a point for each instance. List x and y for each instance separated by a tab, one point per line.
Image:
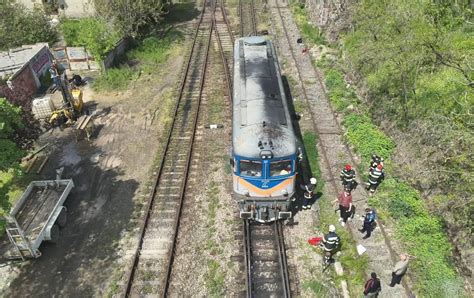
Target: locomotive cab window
251	168
280	168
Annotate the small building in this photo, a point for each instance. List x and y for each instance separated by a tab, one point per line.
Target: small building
26	67
68	8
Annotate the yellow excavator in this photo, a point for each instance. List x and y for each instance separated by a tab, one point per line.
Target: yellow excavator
70	104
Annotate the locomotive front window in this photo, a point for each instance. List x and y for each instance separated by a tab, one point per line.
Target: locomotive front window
280	168
251	168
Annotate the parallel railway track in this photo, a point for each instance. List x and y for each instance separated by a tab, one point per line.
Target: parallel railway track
153	258
248	23
265	259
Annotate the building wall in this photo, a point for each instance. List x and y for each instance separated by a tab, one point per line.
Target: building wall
25	80
69	8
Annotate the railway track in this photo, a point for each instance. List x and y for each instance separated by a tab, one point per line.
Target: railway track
324	123
248	23
153	258
265	259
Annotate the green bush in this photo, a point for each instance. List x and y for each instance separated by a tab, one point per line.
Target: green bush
95	34
366	137
340	96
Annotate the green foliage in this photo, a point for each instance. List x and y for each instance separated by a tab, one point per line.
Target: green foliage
10	122
93	33
423	235
215	279
130	17
366	137
20	26
316	287
145	58
311	34
340	96
116	79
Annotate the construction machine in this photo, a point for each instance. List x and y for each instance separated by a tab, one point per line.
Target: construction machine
69	106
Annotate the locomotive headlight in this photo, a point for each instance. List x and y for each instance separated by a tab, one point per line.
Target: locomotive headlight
284	192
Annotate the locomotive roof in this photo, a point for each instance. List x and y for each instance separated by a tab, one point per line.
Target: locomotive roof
260	110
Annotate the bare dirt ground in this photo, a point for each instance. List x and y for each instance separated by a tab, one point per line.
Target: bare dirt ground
110	174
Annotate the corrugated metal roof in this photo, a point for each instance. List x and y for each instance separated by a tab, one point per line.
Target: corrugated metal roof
14	59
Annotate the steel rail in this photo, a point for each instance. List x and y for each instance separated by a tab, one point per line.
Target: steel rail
326	160
221	50
278	239
252	20
283	260
131	274
188	162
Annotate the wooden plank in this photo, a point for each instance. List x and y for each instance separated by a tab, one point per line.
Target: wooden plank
42	164
31	164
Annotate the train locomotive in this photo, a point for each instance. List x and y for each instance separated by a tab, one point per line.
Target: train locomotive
264	146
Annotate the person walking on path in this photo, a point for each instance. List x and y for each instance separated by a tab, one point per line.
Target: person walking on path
369	220
375	178
309	192
345	206
372	287
399	270
330	244
348	176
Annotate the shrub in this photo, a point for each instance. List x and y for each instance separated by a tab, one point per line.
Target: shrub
94	34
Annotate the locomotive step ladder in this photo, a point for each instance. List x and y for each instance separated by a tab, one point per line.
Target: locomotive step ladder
18	239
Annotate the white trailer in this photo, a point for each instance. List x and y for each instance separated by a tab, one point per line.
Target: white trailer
37	217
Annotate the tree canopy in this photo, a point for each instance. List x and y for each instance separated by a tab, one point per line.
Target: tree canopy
129	16
20	26
10	122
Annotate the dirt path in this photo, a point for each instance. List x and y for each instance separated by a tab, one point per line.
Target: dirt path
331	142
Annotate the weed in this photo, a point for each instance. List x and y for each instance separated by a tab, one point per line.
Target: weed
316	287
145	58
214	279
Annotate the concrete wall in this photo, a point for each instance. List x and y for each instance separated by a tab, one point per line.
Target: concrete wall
69	8
116	52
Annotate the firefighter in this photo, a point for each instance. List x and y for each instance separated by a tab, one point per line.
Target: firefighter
348	176
308	192
376	160
330	244
376	176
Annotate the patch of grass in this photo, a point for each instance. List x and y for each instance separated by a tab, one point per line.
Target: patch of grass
311	34
215	279
145	58
316	287
341	97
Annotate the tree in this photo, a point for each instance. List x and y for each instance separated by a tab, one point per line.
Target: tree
29	131
10	123
131	16
20	26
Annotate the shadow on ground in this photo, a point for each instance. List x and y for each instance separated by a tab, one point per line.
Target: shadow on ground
99	212
303	167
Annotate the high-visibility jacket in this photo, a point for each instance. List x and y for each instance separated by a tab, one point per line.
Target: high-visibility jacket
331	241
375	176
348	176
